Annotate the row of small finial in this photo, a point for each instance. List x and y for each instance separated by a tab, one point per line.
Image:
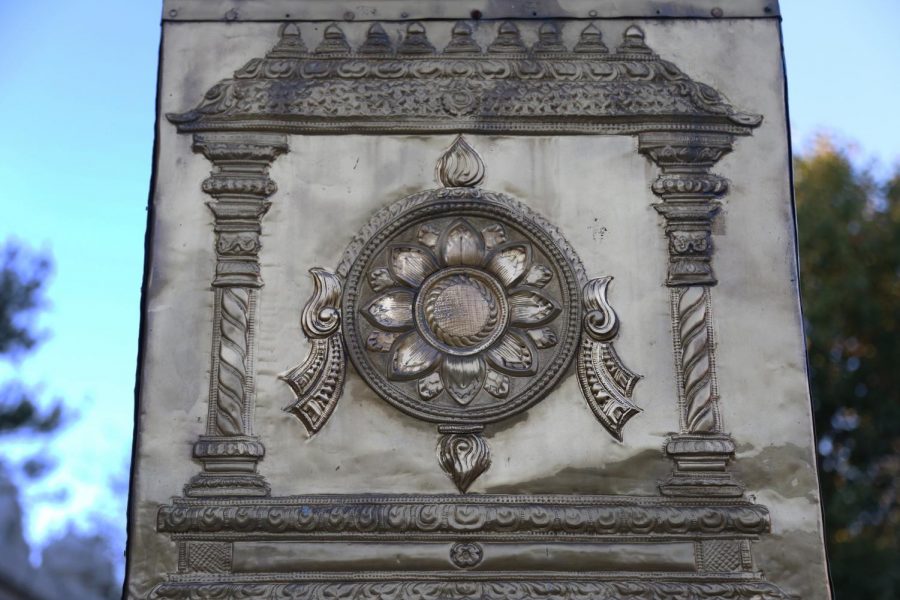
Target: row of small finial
462	42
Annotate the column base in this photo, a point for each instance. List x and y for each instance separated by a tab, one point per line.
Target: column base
229	467
212	485
701	462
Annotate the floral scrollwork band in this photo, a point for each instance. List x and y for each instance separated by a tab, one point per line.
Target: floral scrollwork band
462	307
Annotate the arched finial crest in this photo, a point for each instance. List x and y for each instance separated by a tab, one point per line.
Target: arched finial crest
333	41
633	42
508	39
377	41
591	40
416	41
549	39
290	44
461	40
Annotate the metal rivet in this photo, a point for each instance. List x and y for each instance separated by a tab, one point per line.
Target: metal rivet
231	15
404	15
173	13
717	12
349	15
592	13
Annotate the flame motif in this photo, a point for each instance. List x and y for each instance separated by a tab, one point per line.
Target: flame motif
460	165
464	456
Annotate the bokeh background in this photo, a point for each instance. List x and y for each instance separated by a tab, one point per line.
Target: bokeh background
77	97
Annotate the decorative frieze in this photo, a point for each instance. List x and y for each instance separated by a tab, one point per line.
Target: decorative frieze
493	589
423	516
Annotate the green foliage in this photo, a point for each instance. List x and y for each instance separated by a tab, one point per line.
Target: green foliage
22	278
849	237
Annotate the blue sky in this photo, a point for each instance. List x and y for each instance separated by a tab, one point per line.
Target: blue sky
77	87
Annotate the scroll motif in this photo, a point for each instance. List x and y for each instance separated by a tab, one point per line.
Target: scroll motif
606	383
319	381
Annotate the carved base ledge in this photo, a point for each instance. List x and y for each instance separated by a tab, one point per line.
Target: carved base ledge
701	463
229	467
427	517
452	587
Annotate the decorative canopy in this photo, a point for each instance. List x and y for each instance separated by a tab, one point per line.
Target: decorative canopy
507	87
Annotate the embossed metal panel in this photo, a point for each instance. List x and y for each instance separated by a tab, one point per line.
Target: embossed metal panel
495	304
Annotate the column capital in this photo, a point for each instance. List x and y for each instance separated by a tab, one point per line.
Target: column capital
684	150
240	185
252	147
689	194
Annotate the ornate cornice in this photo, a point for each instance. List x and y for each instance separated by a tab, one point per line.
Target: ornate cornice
509	86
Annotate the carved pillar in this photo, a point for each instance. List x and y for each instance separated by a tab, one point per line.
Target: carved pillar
701	449
239	185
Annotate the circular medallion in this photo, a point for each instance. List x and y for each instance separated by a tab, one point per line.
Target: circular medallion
461	306
461	311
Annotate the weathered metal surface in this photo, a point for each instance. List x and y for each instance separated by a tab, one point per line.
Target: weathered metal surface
437	255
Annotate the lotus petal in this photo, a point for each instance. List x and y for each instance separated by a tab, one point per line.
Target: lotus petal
428	235
494	235
391	310
411	263
543	338
430	386
538	276
514	355
509	262
463	377
462	244
381	341
530	308
380	279
496	384
411	356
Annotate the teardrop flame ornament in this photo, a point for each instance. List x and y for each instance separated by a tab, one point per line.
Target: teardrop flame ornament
463	455
460	165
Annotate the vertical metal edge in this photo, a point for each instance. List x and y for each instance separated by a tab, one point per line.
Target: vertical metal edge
142	320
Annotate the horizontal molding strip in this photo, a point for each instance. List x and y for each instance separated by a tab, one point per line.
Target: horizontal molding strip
374	516
275	557
402	10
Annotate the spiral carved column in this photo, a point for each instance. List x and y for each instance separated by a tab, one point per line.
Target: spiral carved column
239	185
701	449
